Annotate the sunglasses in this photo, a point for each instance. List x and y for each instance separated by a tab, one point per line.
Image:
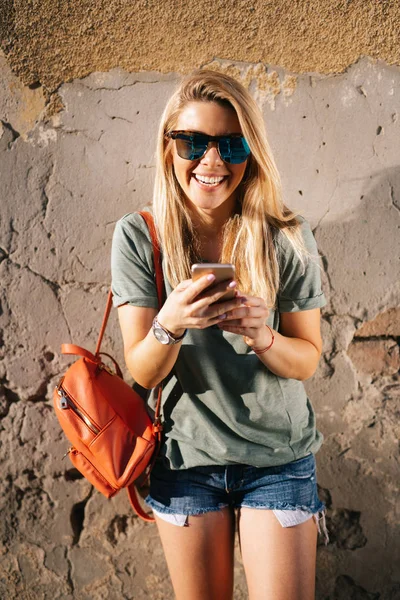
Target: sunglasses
232	148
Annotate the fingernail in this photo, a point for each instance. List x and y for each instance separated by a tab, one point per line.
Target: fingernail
232	284
210	277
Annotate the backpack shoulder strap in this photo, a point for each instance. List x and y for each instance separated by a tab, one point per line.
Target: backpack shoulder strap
104	323
157	256
135	503
158	271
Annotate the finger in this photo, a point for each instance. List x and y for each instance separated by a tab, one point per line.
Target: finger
208	297
233	322
215	312
218	308
251	300
241	312
216	320
204	322
196	287
244	331
247	314
183	285
244	323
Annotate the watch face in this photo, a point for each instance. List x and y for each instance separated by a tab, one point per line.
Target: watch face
160	335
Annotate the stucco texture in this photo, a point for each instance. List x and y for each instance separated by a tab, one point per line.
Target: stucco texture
51	42
74	162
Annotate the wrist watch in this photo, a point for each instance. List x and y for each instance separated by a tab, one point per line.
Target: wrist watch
163	335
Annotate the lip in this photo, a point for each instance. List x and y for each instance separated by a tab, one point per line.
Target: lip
210	174
206	187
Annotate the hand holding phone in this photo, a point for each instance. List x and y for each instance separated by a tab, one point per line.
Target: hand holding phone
192	304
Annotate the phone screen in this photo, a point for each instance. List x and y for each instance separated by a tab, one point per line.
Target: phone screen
222	272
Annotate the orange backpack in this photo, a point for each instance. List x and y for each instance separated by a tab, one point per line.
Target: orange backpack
114	440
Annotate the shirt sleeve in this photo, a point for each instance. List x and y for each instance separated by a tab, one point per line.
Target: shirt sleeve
300	285
132	270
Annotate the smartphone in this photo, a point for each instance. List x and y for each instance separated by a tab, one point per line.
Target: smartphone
222	272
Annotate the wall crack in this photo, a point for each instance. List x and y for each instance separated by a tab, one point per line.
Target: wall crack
77	518
93	88
392	199
115	117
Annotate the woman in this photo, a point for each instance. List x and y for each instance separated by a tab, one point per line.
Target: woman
239	430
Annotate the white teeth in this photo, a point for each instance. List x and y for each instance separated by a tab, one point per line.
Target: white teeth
209	180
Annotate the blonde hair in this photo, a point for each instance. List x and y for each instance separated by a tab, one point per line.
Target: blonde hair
248	240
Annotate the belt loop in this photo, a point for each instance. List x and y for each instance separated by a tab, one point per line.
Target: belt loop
226	479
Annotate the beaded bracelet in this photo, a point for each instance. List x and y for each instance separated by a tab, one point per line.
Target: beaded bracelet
268	347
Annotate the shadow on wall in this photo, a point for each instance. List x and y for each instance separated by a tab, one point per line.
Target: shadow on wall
362	249
358	393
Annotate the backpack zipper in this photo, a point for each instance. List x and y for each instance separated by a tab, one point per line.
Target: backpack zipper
66	402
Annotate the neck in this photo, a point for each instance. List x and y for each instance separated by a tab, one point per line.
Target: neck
209	227
210	223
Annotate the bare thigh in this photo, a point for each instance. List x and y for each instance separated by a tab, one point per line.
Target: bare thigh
200	556
279	562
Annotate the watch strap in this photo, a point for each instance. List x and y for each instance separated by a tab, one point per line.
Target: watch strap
172	339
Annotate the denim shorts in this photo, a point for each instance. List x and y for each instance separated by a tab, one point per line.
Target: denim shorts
291	487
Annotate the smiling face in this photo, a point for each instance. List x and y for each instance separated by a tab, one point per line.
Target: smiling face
209	183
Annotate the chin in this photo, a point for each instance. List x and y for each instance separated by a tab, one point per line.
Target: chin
207	200
207	203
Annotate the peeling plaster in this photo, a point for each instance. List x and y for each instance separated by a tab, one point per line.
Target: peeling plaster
322	37
264	82
20	106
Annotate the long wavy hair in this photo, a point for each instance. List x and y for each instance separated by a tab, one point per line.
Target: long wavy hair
248	236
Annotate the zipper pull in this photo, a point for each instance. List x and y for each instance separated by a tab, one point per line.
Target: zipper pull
104	367
63	402
67	452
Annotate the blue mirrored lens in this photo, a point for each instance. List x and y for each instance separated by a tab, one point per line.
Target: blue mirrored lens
191	147
233	150
199	144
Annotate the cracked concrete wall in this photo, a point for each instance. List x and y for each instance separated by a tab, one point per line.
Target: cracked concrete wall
65	180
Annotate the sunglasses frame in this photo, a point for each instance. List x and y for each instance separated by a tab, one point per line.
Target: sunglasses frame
211	138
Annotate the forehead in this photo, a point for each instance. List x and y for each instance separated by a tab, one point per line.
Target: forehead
208	117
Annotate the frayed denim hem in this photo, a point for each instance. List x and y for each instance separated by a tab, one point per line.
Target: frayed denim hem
192	512
319	515
181	518
282	506
320	519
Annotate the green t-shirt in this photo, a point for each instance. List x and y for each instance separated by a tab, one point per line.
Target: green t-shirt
221	405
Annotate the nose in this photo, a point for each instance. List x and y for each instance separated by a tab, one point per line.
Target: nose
212	155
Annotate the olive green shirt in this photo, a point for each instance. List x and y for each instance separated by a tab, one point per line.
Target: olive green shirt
221	405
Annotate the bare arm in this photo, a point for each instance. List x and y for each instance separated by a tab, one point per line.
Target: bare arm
147	360
297	346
